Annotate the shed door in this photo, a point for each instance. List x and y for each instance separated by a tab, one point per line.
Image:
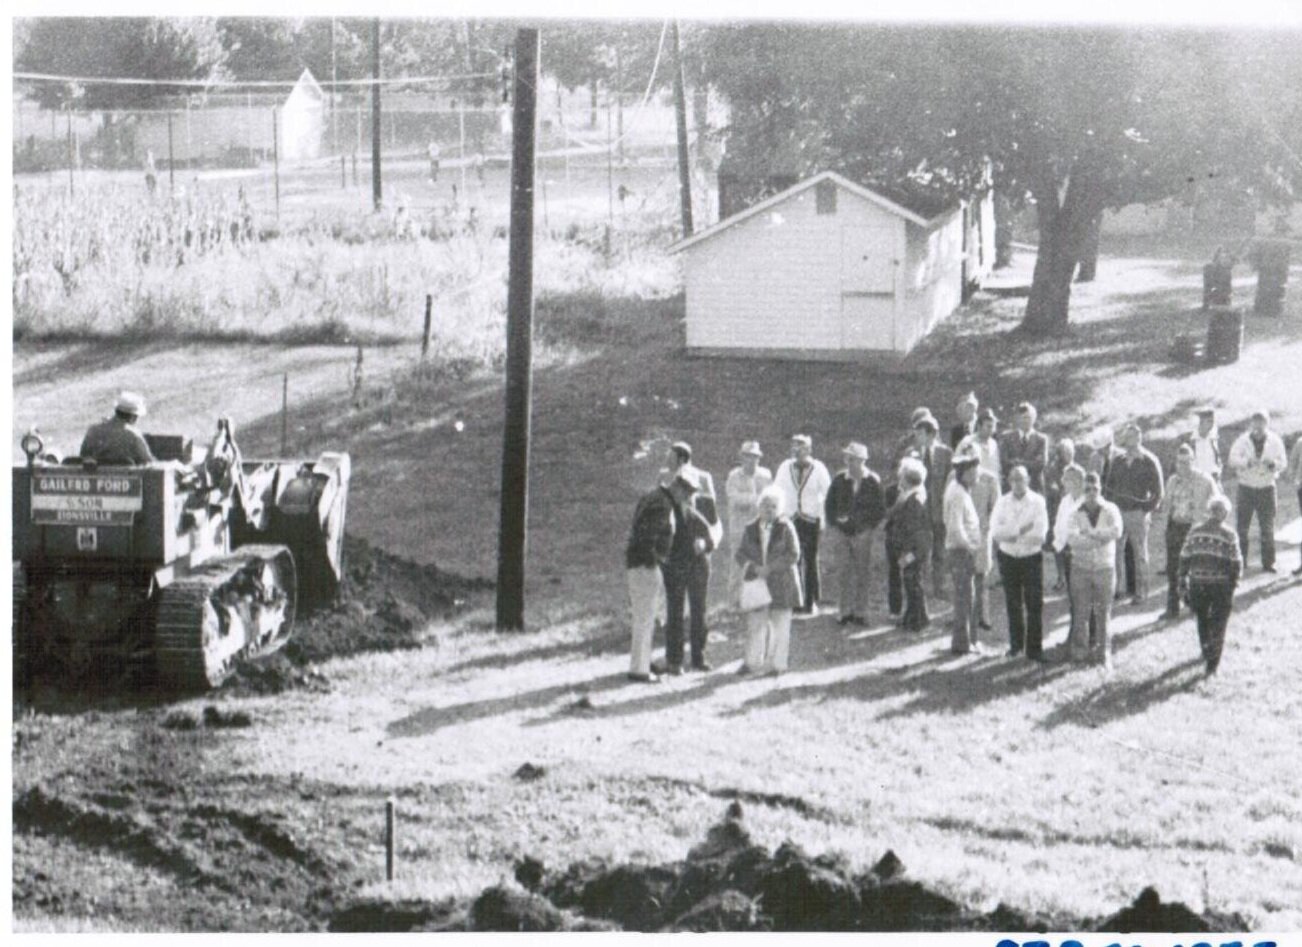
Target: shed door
868	268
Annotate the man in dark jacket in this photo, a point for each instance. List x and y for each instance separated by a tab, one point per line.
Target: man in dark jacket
686	571
936	458
854	508
1210	566
1135	485
1024	446
117	440
649	543
910	538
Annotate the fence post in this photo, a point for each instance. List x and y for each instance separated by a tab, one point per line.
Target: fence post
429	312
354	169
390	838
171	157
71	185
343	172
284	415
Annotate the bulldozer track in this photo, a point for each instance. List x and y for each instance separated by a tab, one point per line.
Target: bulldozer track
189	655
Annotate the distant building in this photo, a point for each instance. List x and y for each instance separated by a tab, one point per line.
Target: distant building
830	269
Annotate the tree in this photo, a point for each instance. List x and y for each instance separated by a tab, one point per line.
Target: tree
154	48
1073	120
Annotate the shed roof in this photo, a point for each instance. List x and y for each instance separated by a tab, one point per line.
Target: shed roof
912	208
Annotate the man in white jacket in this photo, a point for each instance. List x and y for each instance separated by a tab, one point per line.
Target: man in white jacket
804	482
1092	535
1257	459
962	540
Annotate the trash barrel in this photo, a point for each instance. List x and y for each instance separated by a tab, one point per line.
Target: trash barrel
1218	285
1224	335
1271	259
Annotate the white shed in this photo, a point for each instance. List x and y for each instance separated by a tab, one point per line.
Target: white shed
302	120
827	269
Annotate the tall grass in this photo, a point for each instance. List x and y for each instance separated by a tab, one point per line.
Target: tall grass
115	263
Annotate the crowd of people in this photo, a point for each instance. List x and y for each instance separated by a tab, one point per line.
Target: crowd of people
983	511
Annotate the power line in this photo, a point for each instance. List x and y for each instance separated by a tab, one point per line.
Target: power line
246	83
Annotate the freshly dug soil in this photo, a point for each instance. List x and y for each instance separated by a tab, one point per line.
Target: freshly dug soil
728	883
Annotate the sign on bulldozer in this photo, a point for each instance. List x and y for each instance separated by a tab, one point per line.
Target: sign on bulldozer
85	499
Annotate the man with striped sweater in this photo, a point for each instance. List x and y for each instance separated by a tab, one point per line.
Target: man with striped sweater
1210	566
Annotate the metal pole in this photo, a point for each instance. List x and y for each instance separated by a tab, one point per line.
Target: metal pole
513	526
334	90
680	110
171	160
71	184
461	130
376	188
275	156
429	324
284	415
343	171
390	838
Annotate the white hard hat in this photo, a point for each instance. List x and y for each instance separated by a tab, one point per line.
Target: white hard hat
130	403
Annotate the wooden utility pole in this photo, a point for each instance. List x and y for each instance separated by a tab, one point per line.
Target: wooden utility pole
513	525
376	188
334	90
680	109
275	156
71	185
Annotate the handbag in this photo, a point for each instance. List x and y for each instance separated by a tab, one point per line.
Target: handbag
755	595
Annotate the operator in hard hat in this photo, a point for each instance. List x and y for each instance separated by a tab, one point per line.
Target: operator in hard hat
117	440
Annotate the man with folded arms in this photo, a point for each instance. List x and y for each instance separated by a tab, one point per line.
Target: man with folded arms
1018	525
1257	459
1092	534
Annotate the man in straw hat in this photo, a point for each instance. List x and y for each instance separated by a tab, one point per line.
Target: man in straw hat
117	440
742	490
854	508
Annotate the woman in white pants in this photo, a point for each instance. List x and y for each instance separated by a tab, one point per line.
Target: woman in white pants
770	550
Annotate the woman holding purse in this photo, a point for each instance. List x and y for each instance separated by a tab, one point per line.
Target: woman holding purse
768	555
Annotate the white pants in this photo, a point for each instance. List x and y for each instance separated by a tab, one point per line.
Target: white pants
768	639
644	594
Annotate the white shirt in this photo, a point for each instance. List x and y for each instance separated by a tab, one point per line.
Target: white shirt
1094	548
1204	449
988	452
962	527
764	530
1254	471
743	492
1062	522
804	495
1018	527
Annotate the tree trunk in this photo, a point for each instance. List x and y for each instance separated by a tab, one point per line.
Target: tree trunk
1089	257
1064	227
1003	230
701	121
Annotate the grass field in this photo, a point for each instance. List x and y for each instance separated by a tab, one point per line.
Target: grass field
1054	789
1051	788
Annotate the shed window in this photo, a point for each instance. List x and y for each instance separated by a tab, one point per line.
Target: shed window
825	197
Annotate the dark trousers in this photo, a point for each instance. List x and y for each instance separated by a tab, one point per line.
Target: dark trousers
1259	500
686	587
807	532
1023	578
1212	605
1175	537
894	583
937	556
915	597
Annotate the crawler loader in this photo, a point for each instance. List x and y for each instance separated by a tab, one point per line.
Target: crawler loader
183	567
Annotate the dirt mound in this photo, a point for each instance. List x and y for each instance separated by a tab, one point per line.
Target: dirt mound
728	883
385	605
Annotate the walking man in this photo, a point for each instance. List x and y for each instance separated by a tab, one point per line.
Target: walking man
649	542
962	540
1026	447
1092	534
1188	492
1210	566
686	572
804	482
1257	459
742	489
854	508
1134	484
1019	524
